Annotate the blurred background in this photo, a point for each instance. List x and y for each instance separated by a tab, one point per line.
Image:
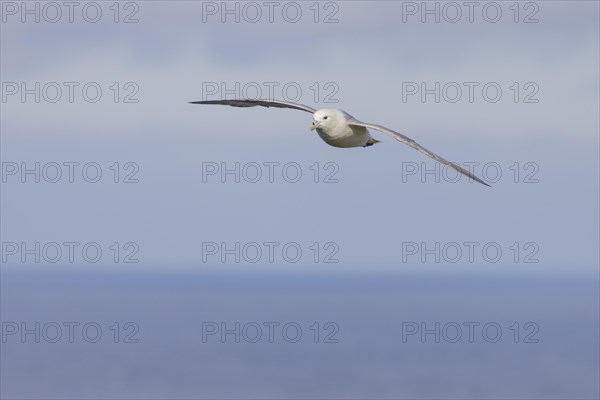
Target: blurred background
157	249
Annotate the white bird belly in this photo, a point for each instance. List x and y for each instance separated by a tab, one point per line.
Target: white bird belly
346	136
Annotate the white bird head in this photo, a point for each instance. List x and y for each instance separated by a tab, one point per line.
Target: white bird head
326	118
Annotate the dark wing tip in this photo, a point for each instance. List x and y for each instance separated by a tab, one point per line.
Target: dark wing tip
476	179
226	102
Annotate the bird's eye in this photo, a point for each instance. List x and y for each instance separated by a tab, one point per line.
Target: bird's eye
324	117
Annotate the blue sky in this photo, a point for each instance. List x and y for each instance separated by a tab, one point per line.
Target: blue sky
367	57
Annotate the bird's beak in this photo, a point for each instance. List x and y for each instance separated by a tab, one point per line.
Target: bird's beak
313	126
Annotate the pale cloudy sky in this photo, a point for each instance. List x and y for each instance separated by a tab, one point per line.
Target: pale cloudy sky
365	61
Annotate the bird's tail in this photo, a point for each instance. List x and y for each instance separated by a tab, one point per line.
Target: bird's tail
371	142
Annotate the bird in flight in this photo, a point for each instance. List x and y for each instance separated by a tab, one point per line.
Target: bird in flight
339	129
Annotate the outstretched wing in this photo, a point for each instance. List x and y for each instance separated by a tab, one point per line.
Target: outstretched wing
408	141
262	103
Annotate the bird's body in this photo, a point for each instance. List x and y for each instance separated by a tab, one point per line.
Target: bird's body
340	133
339	129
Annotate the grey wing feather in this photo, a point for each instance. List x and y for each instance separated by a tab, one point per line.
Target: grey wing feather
262	103
408	141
